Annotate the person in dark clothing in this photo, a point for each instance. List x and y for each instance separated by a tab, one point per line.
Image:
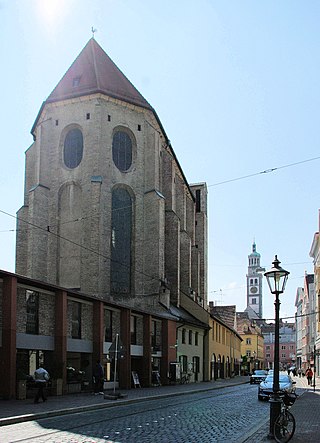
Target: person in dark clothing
98	378
309	374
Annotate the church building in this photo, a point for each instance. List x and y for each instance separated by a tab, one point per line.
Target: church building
111	232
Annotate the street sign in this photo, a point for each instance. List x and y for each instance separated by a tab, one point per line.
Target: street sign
117	349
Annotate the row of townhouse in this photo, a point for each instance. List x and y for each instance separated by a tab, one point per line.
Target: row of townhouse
307	313
67	332
287	344
306	323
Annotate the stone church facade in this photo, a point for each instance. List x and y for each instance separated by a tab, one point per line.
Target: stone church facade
111	240
107	209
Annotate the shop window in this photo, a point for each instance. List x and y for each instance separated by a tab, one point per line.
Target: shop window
76	320
32	303
155	335
108	320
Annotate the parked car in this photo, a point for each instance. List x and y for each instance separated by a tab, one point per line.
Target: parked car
266	387
258	376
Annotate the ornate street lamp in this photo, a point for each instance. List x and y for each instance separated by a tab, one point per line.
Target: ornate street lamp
277	278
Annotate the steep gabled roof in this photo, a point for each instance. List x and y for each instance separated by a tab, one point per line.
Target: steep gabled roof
226	313
93	71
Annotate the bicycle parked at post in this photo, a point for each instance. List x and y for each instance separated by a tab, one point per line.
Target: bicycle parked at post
285	423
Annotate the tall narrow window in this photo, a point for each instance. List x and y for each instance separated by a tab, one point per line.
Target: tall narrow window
121	226
183	340
184	363
76	320
32	301
133	329
198	200
196	364
73	148
122	150
108	325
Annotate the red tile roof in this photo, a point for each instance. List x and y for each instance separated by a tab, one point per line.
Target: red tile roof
93	71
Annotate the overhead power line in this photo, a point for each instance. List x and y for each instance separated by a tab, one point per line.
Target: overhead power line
266	171
48	231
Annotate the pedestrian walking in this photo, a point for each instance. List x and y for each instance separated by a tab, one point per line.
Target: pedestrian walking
309	375
98	378
41	377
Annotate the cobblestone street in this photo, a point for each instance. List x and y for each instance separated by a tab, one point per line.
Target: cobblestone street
223	415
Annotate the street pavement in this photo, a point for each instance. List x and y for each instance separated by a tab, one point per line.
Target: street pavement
306	408
306	411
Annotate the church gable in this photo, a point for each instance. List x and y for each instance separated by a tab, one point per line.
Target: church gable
94	71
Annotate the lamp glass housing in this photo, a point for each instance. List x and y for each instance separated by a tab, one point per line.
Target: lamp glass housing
277	277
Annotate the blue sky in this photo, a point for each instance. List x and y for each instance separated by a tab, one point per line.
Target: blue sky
236	87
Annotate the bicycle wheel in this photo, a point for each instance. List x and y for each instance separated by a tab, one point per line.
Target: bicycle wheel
284	427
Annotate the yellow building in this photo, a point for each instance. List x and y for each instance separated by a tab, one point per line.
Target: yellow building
224	343
252	345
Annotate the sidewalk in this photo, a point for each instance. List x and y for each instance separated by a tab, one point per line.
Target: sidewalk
306	411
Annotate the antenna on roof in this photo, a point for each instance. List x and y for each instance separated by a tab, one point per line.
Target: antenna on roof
93	31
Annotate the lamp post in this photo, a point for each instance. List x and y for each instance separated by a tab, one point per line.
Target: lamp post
254	360
277	278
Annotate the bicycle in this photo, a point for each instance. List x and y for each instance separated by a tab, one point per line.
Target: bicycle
185	379
285	423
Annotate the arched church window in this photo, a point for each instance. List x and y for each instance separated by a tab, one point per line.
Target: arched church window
121	232
73	148
122	150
